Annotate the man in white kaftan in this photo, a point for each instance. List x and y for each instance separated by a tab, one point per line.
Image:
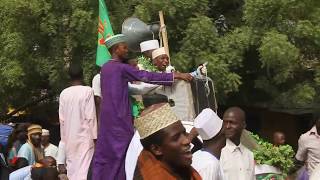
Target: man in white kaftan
206	160
49	149
78	125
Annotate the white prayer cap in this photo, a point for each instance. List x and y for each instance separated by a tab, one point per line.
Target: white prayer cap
45	132
208	124
158	52
149	45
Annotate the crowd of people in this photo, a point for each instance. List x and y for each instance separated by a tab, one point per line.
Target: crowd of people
30	155
106	134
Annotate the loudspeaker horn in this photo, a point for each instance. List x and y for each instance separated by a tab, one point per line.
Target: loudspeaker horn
137	31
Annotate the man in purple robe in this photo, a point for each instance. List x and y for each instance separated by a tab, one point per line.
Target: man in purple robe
116	122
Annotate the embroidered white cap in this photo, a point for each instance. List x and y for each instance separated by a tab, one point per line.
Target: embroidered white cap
115	39
208	124
158	52
156	117
149	45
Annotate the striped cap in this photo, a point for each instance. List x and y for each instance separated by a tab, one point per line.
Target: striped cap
34	128
113	40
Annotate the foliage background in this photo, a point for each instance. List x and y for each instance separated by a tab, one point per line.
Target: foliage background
269	57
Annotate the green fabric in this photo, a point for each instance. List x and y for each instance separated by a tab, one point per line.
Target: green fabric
136	107
104	31
147	64
270	177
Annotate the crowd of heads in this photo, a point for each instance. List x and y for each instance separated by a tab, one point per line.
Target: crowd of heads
168	140
45	166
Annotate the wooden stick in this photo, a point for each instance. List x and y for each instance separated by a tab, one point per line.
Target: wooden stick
164	34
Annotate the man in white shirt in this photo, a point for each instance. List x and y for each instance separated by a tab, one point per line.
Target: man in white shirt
24	173
49	149
96	85
206	160
21	174
316	173
97	93
236	160
309	147
61	161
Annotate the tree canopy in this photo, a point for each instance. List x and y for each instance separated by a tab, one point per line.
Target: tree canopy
268	56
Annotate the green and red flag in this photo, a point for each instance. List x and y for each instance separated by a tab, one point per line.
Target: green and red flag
104	31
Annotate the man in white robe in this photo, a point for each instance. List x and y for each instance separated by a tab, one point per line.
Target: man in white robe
316	173
78	125
206	160
49	149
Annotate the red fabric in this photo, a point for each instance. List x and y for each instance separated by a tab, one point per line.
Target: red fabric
14	160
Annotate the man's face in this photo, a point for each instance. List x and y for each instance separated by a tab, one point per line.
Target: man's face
148	53
161	62
36	139
233	125
122	50
22	135
45	140
279	139
176	149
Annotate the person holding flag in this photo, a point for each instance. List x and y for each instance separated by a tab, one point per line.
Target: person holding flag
116	123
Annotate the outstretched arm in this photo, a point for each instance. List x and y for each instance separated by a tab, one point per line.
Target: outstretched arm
183	76
133	74
141	88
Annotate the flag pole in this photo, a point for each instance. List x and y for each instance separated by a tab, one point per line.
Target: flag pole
164	35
